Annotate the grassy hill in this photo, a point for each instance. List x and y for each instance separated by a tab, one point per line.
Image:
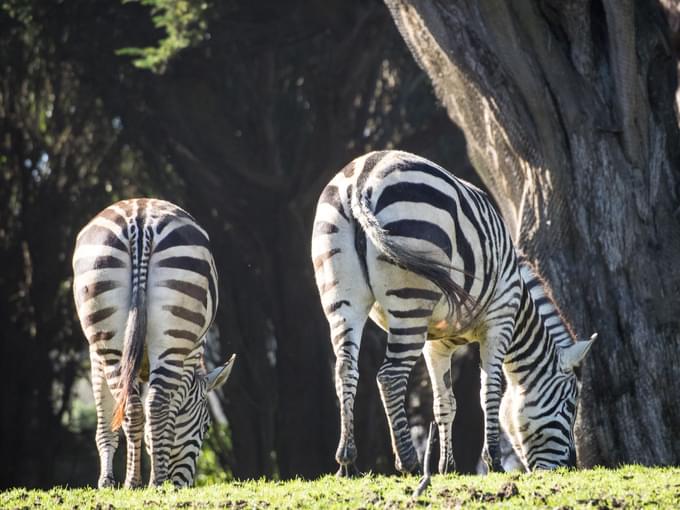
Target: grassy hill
627	487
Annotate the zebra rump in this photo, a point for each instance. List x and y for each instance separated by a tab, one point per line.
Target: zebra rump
145	288
420	263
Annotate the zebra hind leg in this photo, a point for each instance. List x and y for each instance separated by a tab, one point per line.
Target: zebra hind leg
133	427
438	360
404	346
346	333
346	298
106	439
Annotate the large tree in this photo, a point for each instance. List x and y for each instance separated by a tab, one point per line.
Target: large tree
568	111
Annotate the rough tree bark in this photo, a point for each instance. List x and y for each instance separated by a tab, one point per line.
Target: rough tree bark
568	111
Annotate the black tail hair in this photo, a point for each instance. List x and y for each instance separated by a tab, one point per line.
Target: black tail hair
420	263
134	340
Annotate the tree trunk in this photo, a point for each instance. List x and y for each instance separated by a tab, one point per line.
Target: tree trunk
568	111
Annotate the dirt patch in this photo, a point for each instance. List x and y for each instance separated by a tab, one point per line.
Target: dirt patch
507	491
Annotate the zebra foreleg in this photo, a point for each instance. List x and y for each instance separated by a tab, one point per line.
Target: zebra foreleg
404	346
159	433
438	360
491	453
133	427
492	353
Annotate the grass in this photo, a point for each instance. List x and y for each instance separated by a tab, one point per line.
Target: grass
627	487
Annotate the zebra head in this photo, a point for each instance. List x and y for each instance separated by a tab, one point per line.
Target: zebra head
193	421
540	420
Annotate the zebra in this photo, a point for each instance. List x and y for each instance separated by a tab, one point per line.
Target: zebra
426	256
145	289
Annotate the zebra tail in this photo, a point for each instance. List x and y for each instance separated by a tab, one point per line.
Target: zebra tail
420	263
133	349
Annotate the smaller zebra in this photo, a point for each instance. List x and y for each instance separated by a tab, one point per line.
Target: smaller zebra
145	288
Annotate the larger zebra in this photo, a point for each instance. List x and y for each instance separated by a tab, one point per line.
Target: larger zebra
145	287
427	256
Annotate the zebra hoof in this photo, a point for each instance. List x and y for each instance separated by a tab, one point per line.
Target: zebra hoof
346	454
347	471
495	466
133	484
447	466
493	460
410	468
106	482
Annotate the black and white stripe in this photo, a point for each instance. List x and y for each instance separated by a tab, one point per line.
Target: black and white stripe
145	287
429	259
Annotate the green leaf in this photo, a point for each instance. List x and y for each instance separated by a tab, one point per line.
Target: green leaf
184	23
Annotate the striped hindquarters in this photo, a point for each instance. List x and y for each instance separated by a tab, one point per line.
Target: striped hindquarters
425	220
143	267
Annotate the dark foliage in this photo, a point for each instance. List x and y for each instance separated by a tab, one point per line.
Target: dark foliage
243	129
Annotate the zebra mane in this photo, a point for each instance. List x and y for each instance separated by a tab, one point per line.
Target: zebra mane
557	325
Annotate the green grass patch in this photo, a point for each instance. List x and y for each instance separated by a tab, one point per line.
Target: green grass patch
627	487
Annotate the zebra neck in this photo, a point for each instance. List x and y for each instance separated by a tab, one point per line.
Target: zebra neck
541	295
533	351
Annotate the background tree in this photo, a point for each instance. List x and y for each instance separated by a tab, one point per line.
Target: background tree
568	110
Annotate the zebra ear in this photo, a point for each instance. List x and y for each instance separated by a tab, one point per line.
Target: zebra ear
571	357
218	376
